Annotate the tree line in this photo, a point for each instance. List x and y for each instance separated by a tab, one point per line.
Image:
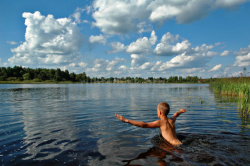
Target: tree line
19	73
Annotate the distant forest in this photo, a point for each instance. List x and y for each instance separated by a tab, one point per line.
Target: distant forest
19	74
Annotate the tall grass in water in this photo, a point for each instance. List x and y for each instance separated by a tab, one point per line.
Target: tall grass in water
238	87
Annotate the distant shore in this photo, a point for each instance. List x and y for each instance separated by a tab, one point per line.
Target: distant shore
71	82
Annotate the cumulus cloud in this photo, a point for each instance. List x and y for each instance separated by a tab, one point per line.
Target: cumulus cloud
80	64
121	17
103	66
77	15
170	46
243	51
228	3
193	70
184	11
243	57
186	56
98	39
236	74
195	57
48	41
142	45
216	68
146	66
225	53
123	67
243	61
137	60
116	47
118	16
12	42
144	27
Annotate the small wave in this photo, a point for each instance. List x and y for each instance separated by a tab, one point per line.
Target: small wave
225	148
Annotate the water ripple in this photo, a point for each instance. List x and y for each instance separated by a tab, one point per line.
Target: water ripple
75	125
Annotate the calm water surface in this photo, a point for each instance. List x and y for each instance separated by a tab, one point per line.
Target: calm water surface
74	124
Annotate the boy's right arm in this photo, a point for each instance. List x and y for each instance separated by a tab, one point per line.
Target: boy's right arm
177	114
139	123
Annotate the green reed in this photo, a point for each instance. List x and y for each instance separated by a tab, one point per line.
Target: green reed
238	87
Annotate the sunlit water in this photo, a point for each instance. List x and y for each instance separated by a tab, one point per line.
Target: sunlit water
74	124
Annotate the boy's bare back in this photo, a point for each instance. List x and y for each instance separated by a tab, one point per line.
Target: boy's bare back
166	126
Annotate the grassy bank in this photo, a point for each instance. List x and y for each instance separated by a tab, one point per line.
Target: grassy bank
238	87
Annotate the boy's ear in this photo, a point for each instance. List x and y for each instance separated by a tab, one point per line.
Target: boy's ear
160	112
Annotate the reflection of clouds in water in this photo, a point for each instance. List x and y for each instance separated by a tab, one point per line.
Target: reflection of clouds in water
117	149
76	123
48	130
139	102
118	141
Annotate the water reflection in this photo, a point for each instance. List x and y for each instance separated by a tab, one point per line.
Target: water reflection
75	125
163	157
198	149
48	127
232	101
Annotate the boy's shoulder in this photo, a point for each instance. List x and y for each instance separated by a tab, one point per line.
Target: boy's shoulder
166	120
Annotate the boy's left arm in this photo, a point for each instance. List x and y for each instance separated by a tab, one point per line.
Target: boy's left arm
177	114
139	123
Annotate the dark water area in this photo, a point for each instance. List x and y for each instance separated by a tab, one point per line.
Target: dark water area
74	124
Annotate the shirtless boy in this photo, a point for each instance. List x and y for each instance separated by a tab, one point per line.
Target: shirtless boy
166	126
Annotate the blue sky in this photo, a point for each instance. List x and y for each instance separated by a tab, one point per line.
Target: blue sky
120	38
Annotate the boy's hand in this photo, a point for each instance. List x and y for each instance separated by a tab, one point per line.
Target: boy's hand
182	110
121	118
177	114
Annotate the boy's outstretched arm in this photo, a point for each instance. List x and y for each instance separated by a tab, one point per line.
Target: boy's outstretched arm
139	123
177	114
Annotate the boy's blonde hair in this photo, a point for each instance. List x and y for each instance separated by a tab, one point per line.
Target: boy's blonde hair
164	108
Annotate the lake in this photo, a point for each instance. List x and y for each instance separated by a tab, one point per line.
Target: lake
75	124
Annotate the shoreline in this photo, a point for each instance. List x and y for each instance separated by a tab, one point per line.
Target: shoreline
70	82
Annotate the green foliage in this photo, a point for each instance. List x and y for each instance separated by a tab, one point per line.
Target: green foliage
239	87
18	73
28	75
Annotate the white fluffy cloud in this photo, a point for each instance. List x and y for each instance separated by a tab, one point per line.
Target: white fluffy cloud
137	60
197	57
80	64
183	11
243	57
77	15
12	42
142	45
216	68
225	53
98	39
194	57
48	41
103	66
169	47
123	67
116	47
118	16
187	57
193	70
146	66
121	17
228	3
